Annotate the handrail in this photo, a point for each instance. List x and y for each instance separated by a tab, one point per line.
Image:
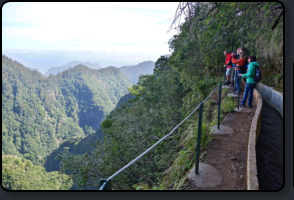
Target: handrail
105	181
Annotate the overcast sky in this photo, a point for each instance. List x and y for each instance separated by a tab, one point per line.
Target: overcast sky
53	34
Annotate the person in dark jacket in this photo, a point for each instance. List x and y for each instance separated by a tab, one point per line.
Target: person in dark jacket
228	65
242	49
250	83
245	66
239	64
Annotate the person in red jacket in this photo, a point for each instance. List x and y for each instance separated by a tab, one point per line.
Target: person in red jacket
228	65
239	63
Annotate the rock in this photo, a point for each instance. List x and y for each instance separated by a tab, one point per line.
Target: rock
234	158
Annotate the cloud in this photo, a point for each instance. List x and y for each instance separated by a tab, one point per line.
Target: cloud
107	33
63	23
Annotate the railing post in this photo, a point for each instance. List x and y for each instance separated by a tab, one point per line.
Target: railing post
107	185
198	139
235	80
219	104
239	91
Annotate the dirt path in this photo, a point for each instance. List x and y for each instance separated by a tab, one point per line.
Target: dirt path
269	149
227	153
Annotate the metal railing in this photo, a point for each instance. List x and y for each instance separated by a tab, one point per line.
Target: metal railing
106	183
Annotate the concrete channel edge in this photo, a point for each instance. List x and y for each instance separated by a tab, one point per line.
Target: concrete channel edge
251	182
271	96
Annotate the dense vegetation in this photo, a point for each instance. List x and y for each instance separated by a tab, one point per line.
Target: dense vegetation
38	113
134	71
21	174
210	28
124	101
180	83
74	145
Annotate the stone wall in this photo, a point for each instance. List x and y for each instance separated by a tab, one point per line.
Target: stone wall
271	96
251	167
251	181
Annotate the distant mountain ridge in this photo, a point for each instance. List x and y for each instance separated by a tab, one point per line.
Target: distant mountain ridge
134	71
131	71
55	70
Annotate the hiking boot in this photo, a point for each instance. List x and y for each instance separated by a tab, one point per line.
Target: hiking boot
242	105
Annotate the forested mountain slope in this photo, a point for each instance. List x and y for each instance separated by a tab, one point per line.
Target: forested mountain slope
38	113
56	70
124	99
134	71
21	174
75	146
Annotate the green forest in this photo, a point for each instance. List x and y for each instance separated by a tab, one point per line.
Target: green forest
40	114
22	174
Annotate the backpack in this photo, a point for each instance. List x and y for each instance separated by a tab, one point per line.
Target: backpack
257	76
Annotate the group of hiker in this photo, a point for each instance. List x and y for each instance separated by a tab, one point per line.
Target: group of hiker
238	65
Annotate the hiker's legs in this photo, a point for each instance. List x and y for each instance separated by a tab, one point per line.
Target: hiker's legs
251	88
228	73
243	102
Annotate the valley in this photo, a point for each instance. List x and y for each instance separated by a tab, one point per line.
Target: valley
43	116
